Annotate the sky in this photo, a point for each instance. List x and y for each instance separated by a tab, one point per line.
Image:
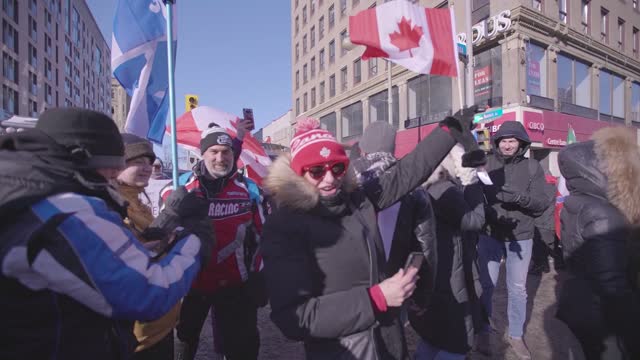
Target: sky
231	53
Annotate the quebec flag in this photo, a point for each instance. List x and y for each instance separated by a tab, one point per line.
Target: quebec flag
139	63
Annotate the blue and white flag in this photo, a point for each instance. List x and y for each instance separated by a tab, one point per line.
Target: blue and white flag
139	63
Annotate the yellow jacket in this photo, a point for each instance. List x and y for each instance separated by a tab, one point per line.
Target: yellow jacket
139	217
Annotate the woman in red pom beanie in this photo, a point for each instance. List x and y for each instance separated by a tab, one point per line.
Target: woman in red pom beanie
323	254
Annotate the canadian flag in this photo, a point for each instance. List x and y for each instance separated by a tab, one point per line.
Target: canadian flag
420	39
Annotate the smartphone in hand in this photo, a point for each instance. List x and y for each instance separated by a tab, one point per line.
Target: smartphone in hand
247	114
415	260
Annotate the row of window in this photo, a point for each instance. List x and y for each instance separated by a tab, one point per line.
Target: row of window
605	23
331	13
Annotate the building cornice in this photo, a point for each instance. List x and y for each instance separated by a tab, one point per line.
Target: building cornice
534	22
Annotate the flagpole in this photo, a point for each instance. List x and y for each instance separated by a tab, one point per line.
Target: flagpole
389	94
469	74
172	96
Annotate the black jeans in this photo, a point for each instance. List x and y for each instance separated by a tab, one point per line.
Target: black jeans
236	321
163	350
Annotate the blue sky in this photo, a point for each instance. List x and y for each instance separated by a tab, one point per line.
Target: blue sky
231	53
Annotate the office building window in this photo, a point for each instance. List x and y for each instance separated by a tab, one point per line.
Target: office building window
9	68
33	29
321	60
297	106
332	86
76	75
321	28
313	98
75	26
67	87
33	56
574	81
321	91
611	94
297	52
343	7
373	67
297	79
9	100
620	34
10	8
635	41
357	71
33	108
536	4
67	67
304	74
10	36
304	15
304	102
328	122
48	72
97	56
635	4
351	120
312	65
429	97
536	70
343	79
379	107
312	7
47	91
67	46
332	17
297	25
487	77
604	25
33	83
635	102
562	11
585	16
48	21
312	37
48	46
343	36
296	4
33	6
304	44
332	51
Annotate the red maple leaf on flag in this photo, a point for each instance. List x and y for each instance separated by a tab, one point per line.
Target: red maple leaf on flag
409	36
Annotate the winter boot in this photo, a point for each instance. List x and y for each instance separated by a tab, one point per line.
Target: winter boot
520	348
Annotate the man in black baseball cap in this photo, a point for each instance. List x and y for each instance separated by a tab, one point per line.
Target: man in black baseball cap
73	277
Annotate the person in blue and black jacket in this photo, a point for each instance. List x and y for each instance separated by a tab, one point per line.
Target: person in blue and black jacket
73	277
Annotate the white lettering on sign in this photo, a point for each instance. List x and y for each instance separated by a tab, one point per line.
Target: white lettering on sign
495	128
536	126
488	28
556	142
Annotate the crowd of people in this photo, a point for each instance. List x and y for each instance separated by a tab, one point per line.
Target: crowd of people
87	271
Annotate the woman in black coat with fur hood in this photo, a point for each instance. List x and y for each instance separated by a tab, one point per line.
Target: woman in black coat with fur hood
600	301
323	254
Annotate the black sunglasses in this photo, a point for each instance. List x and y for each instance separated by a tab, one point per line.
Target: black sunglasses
318	172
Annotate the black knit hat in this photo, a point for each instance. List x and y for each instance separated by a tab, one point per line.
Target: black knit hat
135	147
214	135
91	137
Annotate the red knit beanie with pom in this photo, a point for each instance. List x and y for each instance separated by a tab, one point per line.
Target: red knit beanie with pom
314	146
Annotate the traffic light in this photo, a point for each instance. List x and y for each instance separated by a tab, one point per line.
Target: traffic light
483	137
191	102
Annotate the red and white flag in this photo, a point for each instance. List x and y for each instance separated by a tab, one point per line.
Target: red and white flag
190	125
420	39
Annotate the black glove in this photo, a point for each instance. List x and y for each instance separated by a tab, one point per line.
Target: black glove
202	228
185	204
510	196
459	125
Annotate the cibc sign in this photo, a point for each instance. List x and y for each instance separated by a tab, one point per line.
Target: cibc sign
488	28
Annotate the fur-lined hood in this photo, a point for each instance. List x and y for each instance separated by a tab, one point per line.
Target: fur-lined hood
290	190
451	168
607	166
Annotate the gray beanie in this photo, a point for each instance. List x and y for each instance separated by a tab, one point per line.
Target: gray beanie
379	136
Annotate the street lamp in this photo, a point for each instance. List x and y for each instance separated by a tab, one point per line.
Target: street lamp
348	45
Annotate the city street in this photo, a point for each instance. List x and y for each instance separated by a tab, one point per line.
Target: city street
547	337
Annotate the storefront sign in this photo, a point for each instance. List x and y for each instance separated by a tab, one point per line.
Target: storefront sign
482	81
488	28
533	77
